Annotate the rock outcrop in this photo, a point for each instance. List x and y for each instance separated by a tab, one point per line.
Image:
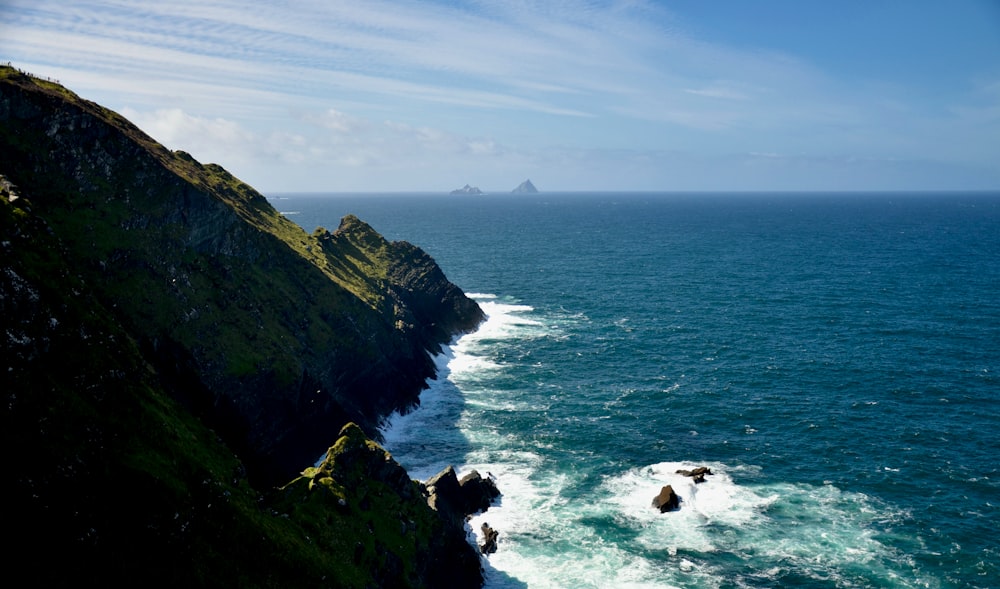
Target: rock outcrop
174	348
365	488
455	499
667	500
490	538
478	493
698	474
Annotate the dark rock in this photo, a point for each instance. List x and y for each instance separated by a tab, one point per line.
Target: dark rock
477	493
489	545
445	495
698	474
667	500
455	499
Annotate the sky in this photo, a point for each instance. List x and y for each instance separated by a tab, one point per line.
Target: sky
399	95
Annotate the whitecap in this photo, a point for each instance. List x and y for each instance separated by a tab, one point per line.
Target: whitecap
717	501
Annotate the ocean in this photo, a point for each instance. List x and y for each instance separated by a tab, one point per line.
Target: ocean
832	358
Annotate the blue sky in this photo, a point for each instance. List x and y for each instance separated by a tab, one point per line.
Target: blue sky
393	95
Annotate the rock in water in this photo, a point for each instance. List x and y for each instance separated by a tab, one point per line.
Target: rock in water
489	545
455	499
477	493
667	500
697	474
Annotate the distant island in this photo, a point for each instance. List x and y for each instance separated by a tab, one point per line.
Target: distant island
467	190
525	187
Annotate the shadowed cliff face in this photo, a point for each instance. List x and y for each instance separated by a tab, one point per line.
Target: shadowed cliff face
174	349
276	337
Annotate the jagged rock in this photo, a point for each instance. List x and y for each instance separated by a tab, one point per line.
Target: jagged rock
455	499
667	500
698	474
478	493
445	494
490	536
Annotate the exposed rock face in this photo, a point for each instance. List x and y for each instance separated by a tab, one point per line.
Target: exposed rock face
667	500
477	493
455	499
525	187
467	190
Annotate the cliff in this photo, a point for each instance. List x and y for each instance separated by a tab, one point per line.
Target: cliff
175	349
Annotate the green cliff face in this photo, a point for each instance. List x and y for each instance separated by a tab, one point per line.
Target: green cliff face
175	348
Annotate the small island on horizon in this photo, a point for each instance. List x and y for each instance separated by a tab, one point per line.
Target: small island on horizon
467	190
525	187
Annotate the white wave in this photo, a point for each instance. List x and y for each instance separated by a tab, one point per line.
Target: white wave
561	526
717	501
504	320
543	544
811	531
416	438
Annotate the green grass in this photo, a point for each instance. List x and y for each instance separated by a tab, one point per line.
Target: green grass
142	488
108	445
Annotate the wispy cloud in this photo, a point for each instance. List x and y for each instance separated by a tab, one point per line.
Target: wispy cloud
493	83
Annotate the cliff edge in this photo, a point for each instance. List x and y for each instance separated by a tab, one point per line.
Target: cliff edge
175	348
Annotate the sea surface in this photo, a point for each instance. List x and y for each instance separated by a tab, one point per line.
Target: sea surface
834	359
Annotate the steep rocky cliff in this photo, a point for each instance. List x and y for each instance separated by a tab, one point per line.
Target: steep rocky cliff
174	348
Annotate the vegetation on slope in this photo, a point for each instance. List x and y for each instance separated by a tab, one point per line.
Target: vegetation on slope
174	348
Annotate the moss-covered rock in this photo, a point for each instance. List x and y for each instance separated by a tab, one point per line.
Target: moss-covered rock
359	492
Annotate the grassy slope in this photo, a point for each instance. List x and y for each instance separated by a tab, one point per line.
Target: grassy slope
108	476
282	331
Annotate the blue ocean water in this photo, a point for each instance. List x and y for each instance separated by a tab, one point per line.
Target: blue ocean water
833	358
